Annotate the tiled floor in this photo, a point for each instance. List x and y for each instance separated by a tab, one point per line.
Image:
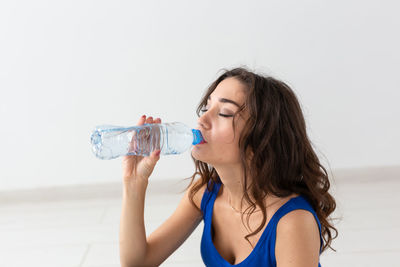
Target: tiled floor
79	226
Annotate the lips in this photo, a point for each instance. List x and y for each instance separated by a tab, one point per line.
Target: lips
204	140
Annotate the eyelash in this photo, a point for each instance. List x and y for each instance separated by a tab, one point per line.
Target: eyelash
222	115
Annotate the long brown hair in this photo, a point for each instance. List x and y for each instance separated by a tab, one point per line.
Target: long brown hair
283	160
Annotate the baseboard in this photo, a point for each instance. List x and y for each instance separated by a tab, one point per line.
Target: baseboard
173	186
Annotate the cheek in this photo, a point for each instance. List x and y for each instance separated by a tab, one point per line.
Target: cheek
226	145
224	139
224	136
227	136
228	142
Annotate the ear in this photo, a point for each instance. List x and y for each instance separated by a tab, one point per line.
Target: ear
249	155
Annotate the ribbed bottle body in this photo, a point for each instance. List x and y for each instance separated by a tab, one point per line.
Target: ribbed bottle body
109	142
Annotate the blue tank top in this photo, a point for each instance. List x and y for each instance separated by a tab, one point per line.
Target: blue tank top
263	253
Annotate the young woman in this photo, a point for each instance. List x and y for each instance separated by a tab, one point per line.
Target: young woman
258	184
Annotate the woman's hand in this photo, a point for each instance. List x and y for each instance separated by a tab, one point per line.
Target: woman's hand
138	168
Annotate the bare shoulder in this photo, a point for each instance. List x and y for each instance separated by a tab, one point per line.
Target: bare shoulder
298	220
297	239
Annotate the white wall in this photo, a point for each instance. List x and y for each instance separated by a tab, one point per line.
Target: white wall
67	66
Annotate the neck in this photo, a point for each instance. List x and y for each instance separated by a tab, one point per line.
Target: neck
232	191
232	178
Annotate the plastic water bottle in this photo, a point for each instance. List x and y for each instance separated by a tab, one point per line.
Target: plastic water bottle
110	142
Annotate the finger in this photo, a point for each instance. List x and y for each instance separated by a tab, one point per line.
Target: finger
132	143
158	120
155	155
142	120
149	119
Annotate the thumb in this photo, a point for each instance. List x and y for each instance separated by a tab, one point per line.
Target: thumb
155	155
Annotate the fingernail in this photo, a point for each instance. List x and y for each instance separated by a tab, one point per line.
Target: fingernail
144	116
158	153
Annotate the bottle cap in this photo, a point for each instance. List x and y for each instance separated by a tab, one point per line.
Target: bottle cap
197	137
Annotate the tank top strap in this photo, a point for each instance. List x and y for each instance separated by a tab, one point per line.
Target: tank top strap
209	195
299	202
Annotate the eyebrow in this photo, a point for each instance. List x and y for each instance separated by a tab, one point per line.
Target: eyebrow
224	100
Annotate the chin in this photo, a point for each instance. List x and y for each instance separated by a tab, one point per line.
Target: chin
194	155
197	157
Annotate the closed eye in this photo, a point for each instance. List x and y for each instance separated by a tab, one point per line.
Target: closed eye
222	115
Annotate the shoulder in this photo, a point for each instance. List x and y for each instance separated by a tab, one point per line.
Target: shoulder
298	219
297	239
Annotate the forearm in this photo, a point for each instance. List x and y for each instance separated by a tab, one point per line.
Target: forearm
132	235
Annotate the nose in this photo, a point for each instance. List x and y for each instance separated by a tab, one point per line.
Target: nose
202	122
203	127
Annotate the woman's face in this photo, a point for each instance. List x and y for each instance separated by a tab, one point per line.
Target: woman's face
222	145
